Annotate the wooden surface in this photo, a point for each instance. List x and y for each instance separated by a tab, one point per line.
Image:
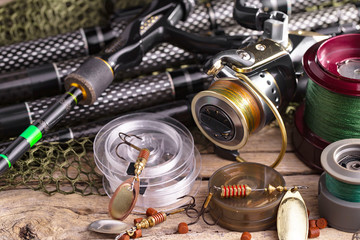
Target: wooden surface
27	214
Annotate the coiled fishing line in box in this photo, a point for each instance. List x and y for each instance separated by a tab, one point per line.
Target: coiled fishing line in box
172	169
332	105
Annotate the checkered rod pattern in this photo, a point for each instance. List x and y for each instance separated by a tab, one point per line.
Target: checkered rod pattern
117	98
74	44
66	67
312	21
207	16
46	50
37	52
305	5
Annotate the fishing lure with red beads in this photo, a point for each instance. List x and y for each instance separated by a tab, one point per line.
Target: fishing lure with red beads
145	223
111	226
243	190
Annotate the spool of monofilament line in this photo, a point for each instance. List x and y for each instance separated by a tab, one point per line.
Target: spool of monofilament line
332	107
339	185
172	169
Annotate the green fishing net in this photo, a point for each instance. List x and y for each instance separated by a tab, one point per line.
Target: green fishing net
66	168
23	20
56	167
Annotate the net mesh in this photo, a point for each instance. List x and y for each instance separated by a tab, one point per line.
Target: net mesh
32	19
57	167
66	168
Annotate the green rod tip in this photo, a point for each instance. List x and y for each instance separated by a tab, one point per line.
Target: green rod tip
6	158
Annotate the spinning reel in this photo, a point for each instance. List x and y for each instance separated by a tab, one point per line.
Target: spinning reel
250	86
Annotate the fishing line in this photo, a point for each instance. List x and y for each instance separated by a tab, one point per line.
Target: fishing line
243	100
339	185
343	190
332	105
330	115
172	169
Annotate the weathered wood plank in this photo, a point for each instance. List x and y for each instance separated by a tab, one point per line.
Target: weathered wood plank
33	213
67	216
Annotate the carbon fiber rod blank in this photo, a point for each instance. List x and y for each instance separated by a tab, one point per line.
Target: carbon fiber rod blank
118	98
179	109
89	41
48	80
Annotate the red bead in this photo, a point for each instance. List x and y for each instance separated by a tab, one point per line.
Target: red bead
245	236
183	228
321	223
150	212
314	232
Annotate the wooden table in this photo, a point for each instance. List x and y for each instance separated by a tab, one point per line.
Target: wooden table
34	215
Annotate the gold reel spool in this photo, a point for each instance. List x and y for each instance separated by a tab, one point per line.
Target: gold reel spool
276	113
242	110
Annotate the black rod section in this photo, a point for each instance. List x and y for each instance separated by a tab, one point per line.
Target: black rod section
96	73
34	132
118	98
89	41
179	109
83	42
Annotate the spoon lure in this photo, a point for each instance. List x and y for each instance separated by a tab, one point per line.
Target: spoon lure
124	198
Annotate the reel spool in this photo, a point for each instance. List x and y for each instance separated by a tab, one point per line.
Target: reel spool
339	186
255	212
250	86
331	110
172	170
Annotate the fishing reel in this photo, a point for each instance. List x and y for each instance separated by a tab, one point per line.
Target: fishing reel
250	86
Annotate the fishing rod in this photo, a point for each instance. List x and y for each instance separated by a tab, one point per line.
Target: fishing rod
209	16
154	25
178	109
89	41
47	80
118	98
83	42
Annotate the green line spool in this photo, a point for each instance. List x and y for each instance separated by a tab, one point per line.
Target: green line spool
342	190
339	186
332	104
330	115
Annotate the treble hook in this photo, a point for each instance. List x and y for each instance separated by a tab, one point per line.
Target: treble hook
127	135
124	137
191	204
190	210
